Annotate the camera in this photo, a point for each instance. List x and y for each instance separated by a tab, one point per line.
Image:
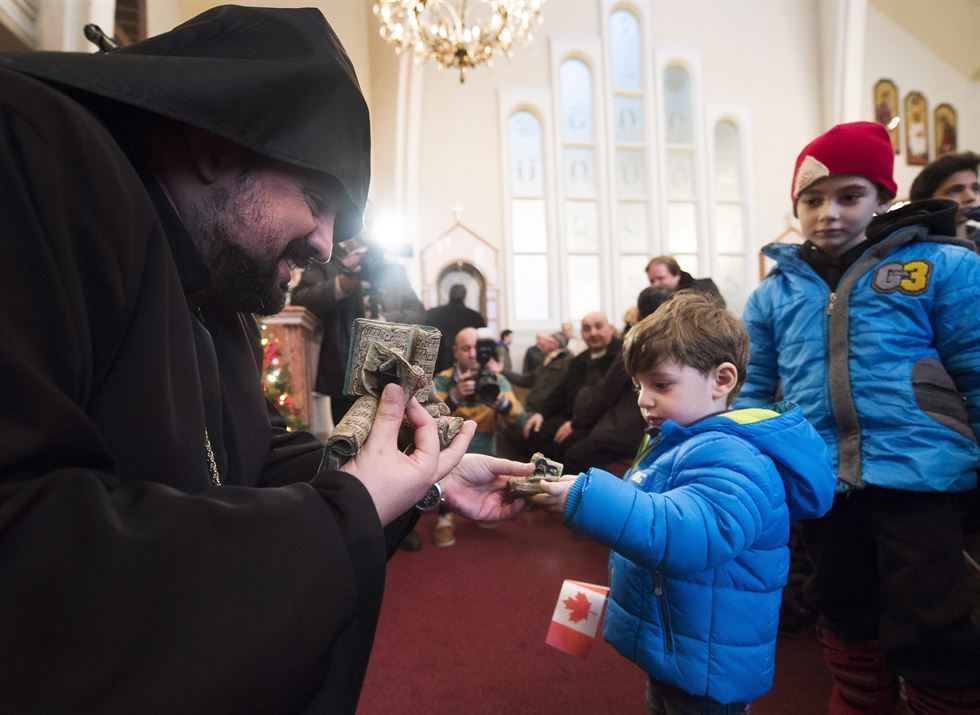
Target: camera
487	389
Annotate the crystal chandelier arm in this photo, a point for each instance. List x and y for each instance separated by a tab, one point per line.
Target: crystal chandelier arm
445	15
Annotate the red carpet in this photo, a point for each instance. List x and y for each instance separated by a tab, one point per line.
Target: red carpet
462	632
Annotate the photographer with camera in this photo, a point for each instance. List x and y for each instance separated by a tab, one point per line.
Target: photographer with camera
357	283
388	294
475	389
334	293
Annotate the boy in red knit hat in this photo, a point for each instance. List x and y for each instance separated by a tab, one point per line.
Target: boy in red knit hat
872	326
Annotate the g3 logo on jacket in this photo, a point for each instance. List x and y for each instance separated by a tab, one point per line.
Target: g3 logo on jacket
911	278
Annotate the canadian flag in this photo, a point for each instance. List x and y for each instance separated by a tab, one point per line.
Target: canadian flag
577	616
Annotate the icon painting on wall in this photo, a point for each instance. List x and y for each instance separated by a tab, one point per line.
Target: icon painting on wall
916	129
944	125
886	108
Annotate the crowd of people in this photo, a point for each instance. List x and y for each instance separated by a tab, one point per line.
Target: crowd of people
167	545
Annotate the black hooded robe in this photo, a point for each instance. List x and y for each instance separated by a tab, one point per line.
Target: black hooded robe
128	583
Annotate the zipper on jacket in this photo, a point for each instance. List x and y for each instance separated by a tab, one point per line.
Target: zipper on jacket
646	446
830	305
658	590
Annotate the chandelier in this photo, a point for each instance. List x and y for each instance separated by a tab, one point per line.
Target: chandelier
459	34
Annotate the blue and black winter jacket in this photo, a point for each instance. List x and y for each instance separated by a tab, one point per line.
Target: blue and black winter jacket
698	531
887	367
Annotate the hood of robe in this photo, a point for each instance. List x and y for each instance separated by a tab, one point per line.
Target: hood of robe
274	80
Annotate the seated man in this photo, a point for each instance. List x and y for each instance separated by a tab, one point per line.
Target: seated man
544	345
550	428
953	177
608	410
463	389
665	271
532	360
545	384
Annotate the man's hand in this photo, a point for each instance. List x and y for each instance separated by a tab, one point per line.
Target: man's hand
502	403
465	387
495	366
563	432
347	283
395	480
554	494
350	270
475	487
533	423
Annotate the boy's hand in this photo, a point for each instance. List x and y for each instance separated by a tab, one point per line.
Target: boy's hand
554	494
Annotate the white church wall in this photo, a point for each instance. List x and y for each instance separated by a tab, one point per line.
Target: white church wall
778	88
437	144
764	57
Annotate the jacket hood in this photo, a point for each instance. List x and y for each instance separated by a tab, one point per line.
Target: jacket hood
799	453
275	80
938	215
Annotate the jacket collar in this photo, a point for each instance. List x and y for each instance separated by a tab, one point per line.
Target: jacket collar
930	219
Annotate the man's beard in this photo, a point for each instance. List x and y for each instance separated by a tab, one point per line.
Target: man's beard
240	280
244	282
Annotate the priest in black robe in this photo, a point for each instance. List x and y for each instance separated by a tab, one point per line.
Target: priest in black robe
165	545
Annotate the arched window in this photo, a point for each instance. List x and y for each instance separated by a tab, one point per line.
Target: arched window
729	213
625	51
580	186
630	186
528	216
680	175
637	164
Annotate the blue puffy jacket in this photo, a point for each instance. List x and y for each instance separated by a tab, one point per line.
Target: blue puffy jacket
698	530
888	367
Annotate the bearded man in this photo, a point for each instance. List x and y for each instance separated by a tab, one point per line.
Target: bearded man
165	545
552	428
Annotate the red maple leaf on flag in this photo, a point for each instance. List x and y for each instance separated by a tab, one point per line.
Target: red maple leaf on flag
578	607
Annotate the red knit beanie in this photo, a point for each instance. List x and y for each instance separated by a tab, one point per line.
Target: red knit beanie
858	148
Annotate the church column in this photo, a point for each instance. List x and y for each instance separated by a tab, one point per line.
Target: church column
842	40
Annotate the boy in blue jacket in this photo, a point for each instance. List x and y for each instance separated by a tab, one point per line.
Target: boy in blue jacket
873	327
699	526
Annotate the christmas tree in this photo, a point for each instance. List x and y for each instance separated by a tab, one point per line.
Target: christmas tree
275	380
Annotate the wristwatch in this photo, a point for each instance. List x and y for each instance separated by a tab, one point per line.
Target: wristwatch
433	498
